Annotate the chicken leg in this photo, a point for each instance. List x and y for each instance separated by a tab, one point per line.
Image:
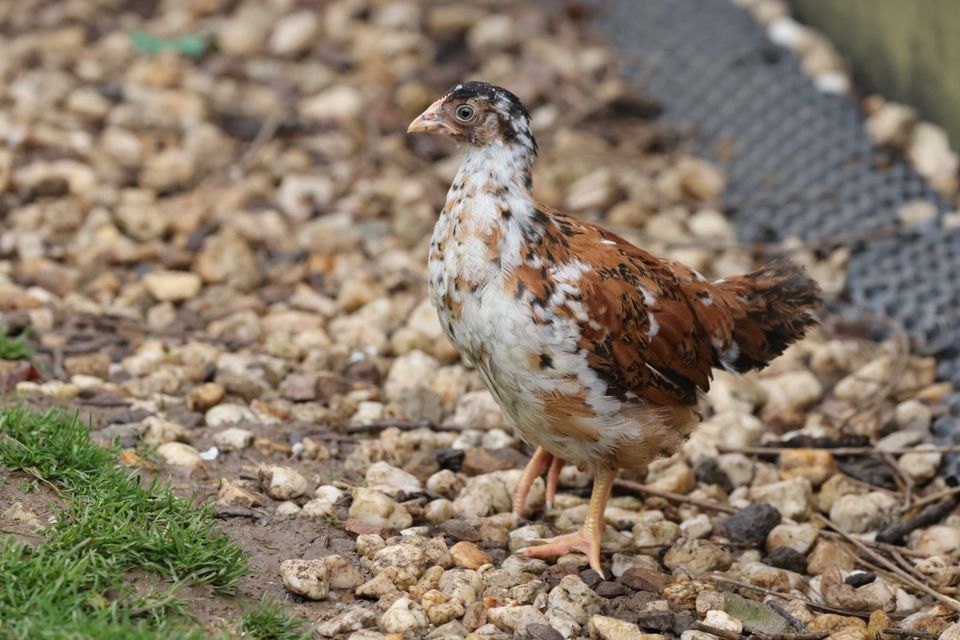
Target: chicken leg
553	478
587	540
541	460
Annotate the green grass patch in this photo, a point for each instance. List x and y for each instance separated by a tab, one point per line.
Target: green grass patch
15	348
72	583
267	622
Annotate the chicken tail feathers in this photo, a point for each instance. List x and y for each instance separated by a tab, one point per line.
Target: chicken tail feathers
773	307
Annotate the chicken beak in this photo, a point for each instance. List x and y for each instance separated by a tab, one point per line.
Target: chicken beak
429	121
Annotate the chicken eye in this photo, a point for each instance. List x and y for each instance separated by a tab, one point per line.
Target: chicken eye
464	113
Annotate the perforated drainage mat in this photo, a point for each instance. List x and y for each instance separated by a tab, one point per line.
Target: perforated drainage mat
798	163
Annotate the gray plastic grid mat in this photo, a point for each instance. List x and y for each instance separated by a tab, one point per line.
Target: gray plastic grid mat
798	163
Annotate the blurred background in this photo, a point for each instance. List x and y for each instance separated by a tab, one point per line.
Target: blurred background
211	217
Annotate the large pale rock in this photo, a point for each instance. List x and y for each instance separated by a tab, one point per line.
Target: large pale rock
180	455
307	578
172	286
791	498
282	483
372	507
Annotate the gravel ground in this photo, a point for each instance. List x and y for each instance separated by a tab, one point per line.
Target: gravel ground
216	230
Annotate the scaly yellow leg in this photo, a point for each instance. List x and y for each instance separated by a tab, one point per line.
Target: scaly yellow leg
538	464
587	540
553	478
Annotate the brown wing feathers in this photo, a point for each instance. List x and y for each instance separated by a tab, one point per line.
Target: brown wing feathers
657	328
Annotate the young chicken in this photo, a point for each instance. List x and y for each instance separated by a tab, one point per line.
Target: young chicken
595	350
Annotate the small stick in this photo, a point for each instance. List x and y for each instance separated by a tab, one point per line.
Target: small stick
931	514
787	596
907	482
840	451
720	633
636	487
876	557
403	426
922	502
909	568
789	617
908	633
13	532
872	487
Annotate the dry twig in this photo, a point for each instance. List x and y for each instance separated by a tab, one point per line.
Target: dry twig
929	515
643	489
840	451
787	596
720	633
916	584
934	497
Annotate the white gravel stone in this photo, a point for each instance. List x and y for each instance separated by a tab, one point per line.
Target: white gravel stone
404	617
697	557
368	412
172	286
649	537
921	465
496	439
698	526
445	483
410	560
527	535
477	410
295	33
158	431
307	578
233	439
390	480
799	537
563	622
791	390
515	619
324	502
891	125
938	540
463	584
621	563
377	509
282	483
368	544
913	415
409	371
288	508
483	496
575	598
210	454
224	414
180	455
353	619
492	33
607	628
341	573
723	620
951	633
438	511
860	514
337	103
791	498
738	468
19	514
